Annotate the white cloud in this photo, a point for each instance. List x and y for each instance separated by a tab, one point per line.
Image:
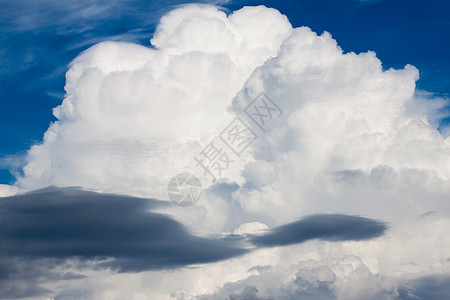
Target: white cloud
349	126
353	138
345	278
135	116
8	190
251	228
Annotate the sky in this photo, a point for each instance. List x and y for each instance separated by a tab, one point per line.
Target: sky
336	187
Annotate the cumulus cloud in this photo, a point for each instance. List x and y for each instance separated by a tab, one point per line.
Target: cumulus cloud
344	278
349	137
151	109
347	119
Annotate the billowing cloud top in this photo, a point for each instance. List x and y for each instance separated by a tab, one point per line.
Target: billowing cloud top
134	116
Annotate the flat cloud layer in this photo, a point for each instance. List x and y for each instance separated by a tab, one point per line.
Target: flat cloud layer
347	137
113	231
324	227
69	222
48	227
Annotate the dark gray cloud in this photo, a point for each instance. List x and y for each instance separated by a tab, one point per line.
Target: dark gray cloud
328	227
433	287
63	223
21	277
47	230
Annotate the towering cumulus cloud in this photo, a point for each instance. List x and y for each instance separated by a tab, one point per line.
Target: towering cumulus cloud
133	116
350	124
353	139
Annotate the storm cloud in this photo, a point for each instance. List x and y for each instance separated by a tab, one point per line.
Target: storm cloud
55	227
432	287
68	222
43	229
328	227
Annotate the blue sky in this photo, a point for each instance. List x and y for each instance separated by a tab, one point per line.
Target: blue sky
39	38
